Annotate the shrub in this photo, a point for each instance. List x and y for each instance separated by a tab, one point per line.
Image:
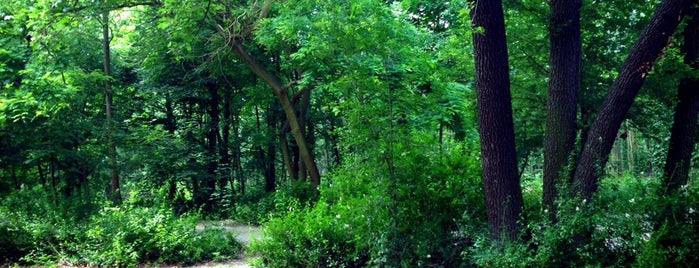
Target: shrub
623	228
34	230
121	236
367	217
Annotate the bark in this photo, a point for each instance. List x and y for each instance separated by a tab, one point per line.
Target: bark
282	96
224	144
209	185
270	171
503	193
42	176
604	128
286	154
111	147
170	126
52	172
13	174
237	153
304	104
684	127
562	98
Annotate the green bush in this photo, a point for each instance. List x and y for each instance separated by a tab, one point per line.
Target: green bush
34	230
14	239
259	210
622	221
126	235
312	237
366	217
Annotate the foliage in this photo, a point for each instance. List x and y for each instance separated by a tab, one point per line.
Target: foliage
356	224
390	119
623	221
141	235
34	231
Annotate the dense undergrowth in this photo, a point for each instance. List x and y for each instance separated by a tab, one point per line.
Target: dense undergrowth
34	230
429	214
433	216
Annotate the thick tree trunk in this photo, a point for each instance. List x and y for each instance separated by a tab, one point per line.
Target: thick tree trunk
562	99
684	127
282	95
111	147
304	103
603	130
503	193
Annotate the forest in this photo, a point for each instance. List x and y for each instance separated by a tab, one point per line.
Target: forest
362	133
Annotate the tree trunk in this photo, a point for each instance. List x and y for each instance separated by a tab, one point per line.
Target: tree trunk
170	126
224	144
52	176
304	103
270	174
503	193
684	127
284	144
282	95
603	130
111	147
562	99
209	185
42	176
237	152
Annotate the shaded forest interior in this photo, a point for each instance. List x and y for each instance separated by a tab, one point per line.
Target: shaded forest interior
358	133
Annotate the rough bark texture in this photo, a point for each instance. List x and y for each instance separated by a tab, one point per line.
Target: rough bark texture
503	193
562	98
283	97
684	127
111	147
603	130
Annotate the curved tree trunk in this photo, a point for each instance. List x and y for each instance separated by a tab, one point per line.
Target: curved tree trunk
562	98
503	194
603	131
283	97
684	127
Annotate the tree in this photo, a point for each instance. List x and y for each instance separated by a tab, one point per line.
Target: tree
503	192
684	127
279	89
111	147
562	98
638	63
